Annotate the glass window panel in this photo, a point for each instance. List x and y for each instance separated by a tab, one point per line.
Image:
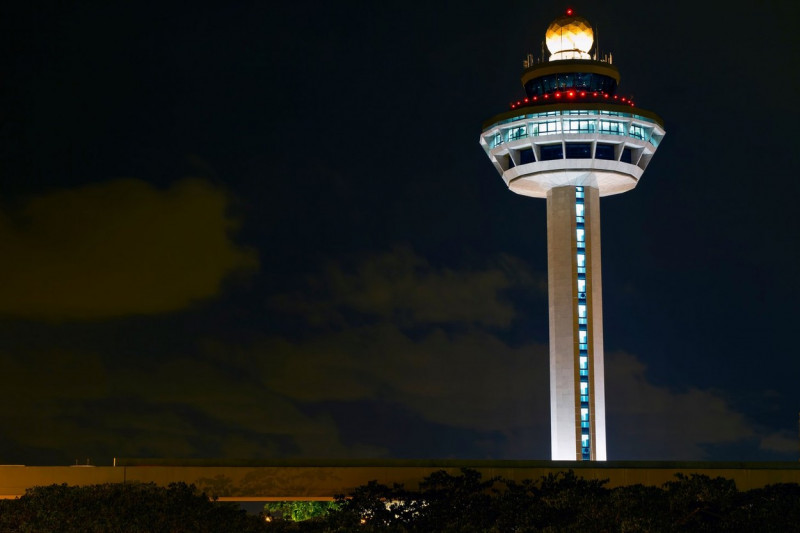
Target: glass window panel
604	151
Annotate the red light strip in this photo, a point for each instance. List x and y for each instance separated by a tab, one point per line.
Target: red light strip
572	94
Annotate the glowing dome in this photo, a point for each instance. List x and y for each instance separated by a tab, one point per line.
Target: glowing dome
569	37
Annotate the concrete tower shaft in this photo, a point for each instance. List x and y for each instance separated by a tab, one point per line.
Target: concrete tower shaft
574	281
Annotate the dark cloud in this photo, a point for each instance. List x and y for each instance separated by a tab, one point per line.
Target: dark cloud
117	248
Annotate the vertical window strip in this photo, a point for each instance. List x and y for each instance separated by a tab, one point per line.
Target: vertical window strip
583	327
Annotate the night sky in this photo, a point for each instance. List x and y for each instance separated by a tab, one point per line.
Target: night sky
258	230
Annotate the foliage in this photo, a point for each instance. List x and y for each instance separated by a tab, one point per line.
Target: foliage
128	508
562	502
298	510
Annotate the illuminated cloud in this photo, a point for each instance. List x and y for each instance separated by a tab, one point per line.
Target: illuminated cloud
455	379
117	248
781	442
405	288
468	380
648	421
69	405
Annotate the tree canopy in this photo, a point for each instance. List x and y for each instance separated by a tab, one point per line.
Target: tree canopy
562	502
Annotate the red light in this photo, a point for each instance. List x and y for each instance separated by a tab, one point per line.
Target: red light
546	96
570	94
518	102
526	100
583	93
512	106
623	98
569	11
558	95
534	98
605	96
594	93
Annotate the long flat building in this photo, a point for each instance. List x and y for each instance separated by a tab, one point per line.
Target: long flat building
322	480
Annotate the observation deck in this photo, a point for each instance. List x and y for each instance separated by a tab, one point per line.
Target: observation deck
567	139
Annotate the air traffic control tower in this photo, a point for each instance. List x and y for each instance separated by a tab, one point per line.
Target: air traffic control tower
572	139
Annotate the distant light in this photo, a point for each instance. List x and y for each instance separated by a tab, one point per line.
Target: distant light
558	95
535	98
569	11
526	100
583	93
605	96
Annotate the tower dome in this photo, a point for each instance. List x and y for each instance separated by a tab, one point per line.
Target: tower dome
569	37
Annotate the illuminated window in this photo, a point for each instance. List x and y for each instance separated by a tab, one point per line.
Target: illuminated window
547	127
517	133
637	131
496	140
612	128
579	126
583	334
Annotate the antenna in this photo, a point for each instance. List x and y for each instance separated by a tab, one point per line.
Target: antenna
596	43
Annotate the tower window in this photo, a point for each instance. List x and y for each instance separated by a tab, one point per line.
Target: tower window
579	151
547	127
604	151
626	155
612	128
517	133
551	151
526	156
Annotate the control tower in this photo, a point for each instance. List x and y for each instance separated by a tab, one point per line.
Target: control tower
573	139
